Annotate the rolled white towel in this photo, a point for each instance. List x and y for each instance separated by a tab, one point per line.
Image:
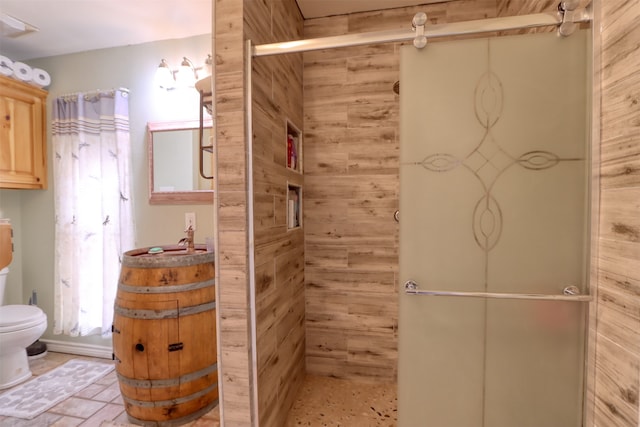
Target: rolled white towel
41	78
22	71
6	66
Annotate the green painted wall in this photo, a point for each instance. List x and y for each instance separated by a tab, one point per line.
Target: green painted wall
31	211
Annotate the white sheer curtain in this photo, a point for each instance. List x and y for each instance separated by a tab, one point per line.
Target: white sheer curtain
93	207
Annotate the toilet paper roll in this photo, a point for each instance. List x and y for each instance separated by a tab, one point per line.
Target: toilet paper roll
22	71
6	66
41	78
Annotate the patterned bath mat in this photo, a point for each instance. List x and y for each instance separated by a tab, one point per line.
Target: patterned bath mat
32	398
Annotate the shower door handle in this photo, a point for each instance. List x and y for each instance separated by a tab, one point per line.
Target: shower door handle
571	290
569	293
409	286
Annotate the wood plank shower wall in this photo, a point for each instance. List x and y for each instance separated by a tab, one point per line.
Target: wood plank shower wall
279	251
617	340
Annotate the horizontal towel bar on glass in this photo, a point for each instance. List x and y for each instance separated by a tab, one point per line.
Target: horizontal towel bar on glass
411	288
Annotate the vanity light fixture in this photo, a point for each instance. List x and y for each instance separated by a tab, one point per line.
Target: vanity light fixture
208	66
164	76
185	76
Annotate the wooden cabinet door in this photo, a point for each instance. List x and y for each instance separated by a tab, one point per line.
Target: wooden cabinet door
23	162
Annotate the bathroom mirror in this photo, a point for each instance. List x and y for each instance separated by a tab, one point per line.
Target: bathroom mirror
177	157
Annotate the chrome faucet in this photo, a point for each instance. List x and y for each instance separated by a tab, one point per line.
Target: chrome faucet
188	240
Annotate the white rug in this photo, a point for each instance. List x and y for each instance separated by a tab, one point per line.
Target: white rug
32	398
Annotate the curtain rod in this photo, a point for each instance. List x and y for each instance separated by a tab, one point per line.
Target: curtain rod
430	31
87	95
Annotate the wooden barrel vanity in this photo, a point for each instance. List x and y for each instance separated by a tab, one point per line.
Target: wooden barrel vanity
164	334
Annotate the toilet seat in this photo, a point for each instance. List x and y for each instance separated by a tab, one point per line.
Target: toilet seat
18	317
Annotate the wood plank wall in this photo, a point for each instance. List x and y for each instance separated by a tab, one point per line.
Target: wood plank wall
279	252
617	364
231	216
351	192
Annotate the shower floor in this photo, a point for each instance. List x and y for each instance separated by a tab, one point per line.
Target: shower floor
325	401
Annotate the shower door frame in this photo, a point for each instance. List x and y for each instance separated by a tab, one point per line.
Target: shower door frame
590	15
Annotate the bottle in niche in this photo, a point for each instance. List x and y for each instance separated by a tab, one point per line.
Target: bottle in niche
292	152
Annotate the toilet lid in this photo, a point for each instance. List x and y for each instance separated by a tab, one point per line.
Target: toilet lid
15	317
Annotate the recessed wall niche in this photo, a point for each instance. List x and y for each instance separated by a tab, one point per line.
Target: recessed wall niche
294	147
294	206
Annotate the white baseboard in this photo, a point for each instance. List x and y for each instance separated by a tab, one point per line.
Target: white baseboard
101	351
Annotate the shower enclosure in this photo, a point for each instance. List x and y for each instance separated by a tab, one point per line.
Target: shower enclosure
494	221
494	174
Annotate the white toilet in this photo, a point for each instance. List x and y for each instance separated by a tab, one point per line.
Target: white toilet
20	326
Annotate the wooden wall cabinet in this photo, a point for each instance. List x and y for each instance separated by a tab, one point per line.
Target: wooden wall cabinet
23	154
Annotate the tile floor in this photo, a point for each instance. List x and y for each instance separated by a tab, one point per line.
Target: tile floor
99	404
323	402
332	402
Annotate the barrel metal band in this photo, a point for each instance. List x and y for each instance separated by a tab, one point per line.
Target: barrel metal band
136	313
167	382
177	421
171	402
166	289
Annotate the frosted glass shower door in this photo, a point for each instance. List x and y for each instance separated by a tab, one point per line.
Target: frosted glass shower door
493	199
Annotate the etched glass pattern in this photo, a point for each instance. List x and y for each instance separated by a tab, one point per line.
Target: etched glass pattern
493	198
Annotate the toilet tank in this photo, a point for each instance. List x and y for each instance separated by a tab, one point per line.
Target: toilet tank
6	254
6	243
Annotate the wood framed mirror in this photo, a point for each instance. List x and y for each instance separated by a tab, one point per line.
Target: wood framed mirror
179	162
